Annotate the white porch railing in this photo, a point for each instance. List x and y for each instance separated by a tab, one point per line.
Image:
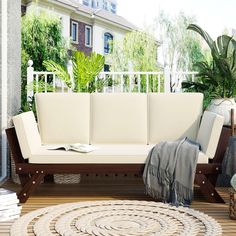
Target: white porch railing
132	81
111	81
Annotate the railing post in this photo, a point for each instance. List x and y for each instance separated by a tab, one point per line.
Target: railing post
104	79
130	83
139	83
147	83
122	83
30	79
159	83
70	72
167	80
113	83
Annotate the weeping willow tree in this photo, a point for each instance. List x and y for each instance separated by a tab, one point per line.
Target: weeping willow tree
41	39
180	49
136	52
138	49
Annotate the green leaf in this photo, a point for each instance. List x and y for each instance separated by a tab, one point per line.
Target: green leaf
222	71
204	35
60	71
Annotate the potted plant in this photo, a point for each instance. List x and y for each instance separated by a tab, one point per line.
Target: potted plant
216	79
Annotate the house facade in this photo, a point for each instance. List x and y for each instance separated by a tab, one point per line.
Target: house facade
88	29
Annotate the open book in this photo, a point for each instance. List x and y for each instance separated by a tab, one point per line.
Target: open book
78	147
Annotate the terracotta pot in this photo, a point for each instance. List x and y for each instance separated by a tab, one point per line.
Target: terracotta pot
223	106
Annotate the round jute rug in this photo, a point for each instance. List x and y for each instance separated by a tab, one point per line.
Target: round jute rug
115	218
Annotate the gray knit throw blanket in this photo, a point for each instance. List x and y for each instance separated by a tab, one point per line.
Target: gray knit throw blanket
169	171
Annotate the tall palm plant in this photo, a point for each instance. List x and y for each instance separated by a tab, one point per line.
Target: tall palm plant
219	76
85	70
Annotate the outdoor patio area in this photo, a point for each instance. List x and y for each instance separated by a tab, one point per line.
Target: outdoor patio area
125	188
115	127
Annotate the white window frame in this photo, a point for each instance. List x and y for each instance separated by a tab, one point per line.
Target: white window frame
90	43
77	35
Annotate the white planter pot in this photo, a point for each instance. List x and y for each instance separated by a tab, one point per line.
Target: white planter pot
223	107
233	182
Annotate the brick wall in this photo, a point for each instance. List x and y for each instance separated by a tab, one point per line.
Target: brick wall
81	37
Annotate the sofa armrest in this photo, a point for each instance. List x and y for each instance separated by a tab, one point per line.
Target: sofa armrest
209	132
27	133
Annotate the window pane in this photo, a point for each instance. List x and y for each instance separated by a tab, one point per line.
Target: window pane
88	36
106	67
107	40
105	5
93	4
113	8
74	32
85	2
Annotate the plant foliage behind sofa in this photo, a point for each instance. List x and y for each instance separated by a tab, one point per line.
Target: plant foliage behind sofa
41	39
85	70
216	79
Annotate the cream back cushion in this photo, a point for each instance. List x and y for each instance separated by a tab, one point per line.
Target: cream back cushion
209	132
63	117
119	118
27	133
174	115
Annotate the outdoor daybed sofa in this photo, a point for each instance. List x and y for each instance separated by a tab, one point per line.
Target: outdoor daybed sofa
123	127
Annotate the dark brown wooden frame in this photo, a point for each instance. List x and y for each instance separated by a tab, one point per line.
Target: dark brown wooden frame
31	175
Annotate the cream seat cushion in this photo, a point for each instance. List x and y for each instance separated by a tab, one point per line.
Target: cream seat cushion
63	117
27	133
118	118
209	132
105	154
173	116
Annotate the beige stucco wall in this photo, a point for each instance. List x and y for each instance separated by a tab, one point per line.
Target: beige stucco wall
14	56
10	63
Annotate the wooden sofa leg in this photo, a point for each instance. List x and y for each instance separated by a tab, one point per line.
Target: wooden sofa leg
29	187
207	189
212	179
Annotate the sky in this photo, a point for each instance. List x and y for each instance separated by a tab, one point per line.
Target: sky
212	15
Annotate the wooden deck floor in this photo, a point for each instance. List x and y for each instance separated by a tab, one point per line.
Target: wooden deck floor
51	194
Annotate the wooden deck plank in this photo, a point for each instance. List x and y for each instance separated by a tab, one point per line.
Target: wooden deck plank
52	194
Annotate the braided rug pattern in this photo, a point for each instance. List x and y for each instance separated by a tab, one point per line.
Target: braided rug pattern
115	218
